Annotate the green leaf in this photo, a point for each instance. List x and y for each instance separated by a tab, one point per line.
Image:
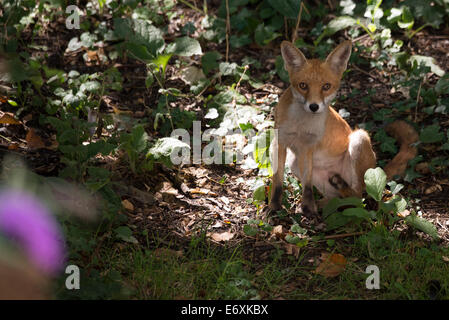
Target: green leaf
428	62
375	180
295	228
336	25
422	225
395	187
90	86
431	134
164	147
250	230
335	203
161	62
139	51
357	213
280	70
442	86
288	8
259	191
185	46
124	233
209	61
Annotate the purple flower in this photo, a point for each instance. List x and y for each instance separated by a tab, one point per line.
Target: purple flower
28	221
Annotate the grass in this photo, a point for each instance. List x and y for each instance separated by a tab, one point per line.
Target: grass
409	269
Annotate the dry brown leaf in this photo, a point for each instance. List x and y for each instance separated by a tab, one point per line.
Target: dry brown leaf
292	249
9	119
445	259
422	168
13	146
278	231
404	213
331	265
433	189
225	236
127	205
33	140
203	191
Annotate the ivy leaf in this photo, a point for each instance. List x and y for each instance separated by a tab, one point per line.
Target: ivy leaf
442	86
428	62
431	134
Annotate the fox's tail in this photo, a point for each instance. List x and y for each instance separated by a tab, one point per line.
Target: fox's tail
406	136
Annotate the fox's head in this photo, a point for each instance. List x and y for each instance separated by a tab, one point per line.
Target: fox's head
315	82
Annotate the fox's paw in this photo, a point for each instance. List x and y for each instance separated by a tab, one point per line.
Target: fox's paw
308	210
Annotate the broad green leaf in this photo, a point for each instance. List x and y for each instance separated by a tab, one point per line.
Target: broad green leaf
124	233
335	203
91	86
395	187
185	46
259	191
375	180
250	230
209	61
161	61
139	51
428	62
422	225
357	212
442	86
431	134
164	147
288	8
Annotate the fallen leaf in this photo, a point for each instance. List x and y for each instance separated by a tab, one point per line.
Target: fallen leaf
445	259
331	265
127	205
433	189
33	140
404	213
203	191
422	168
278	231
9	119
292	249
225	236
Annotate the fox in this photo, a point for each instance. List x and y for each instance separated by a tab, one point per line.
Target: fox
319	146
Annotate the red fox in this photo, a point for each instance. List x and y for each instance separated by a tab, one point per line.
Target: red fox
320	147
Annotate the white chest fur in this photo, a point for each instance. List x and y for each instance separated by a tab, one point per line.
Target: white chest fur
302	129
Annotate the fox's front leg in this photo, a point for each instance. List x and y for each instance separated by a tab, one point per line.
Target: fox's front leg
278	165
308	205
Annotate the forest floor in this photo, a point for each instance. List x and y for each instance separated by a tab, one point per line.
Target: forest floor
177	205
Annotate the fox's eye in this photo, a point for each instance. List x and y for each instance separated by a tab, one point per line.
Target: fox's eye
326	86
303	85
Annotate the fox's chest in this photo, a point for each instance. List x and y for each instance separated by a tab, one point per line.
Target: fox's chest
301	129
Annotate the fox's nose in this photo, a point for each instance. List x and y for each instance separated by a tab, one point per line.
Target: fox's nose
313	107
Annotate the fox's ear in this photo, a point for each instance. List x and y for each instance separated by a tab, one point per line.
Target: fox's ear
293	57
338	59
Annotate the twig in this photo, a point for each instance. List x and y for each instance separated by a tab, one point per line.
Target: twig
194	7
298	20
228	29
417	99
367	73
344	235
